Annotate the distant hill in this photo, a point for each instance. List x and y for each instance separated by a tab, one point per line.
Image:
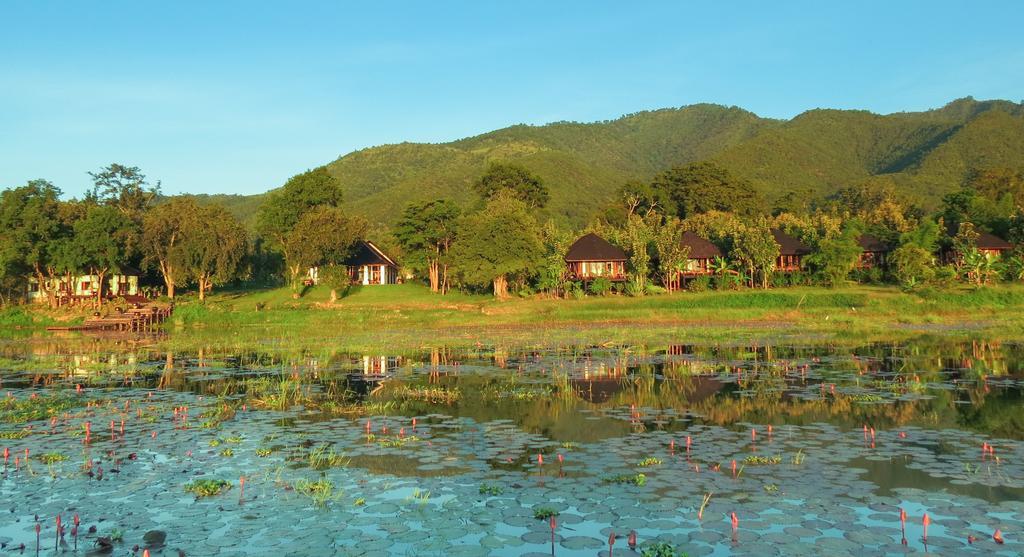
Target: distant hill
927	154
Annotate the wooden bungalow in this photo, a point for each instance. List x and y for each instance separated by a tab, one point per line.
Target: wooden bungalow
991	245
701	256
121	284
369	265
873	252
791	252
593	257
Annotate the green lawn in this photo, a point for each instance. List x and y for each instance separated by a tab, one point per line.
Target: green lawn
410	317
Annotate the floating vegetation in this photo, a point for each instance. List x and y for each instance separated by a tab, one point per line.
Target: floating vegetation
757	460
51	458
227	452
17	410
491	490
544	513
320	491
207	488
638	480
14	435
649	461
431	395
324	457
264	452
771	488
662	549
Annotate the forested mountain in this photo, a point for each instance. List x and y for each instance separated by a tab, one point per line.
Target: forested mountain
924	154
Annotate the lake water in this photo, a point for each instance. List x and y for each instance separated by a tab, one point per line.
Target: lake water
455	452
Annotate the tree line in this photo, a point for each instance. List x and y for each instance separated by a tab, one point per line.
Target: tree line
499	243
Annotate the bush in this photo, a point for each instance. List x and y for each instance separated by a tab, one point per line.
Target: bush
654	289
600	286
634	289
699	284
576	291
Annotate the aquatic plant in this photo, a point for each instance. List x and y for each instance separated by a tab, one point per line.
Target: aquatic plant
319	491
544	513
207	488
228	452
51	458
491	490
570	446
798	459
21	410
264	452
420	496
756	460
771	488
649	461
431	395
662	549
638	480
15	435
703	505
359	502
324	457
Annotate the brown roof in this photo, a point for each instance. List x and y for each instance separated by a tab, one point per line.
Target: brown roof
699	247
594	248
872	244
789	245
365	253
993	242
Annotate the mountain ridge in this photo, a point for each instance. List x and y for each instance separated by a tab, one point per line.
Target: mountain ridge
926	154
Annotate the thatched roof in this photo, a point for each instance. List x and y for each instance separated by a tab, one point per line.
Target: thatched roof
365	253
872	244
992	242
699	247
594	248
789	245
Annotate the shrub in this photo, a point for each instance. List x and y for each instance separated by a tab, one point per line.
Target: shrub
576	291
634	289
655	289
600	286
699	284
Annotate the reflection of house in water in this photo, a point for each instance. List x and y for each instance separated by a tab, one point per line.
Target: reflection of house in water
381	365
84	365
599	381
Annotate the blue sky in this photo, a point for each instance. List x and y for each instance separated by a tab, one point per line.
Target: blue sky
235	97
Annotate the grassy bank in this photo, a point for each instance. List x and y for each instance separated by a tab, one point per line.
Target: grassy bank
409	317
405	318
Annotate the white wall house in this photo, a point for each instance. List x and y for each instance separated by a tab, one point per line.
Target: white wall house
122	284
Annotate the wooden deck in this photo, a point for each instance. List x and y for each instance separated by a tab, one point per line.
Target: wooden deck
146	318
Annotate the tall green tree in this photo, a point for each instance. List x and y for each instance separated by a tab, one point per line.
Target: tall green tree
166	232
755	248
503	177
500	241
102	244
637	237
704	186
32	234
215	247
672	254
282	210
426	232
124	187
323	236
837	255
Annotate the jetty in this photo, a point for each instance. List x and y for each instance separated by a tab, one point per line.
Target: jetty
135	319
